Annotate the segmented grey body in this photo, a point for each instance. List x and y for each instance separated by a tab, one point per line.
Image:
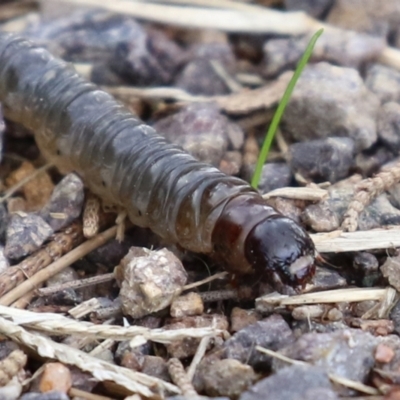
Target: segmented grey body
79	127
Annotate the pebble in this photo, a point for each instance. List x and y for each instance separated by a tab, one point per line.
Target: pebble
188	304
347	353
293	383
155	366
114	43
388	124
395	317
227	378
201	130
240	318
272	333
4	218
65	204
384	353
327	215
339	47
346	107
374	17
147	58
274	176
391	271
149	280
56	377
366	269
332	159
25	234
199	77
384	82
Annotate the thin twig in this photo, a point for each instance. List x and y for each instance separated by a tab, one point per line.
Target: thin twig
61	244
209	279
58	266
201	350
77	284
374	239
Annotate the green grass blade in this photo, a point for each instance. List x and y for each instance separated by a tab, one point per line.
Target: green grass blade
281	108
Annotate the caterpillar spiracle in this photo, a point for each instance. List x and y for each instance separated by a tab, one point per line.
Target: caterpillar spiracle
81	128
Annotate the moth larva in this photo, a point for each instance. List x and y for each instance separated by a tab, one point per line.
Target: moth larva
79	127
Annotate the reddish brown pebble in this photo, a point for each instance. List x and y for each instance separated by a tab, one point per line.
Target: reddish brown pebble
56	377
383	353
188	304
241	318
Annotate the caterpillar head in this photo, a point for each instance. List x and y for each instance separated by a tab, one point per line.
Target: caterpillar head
279	247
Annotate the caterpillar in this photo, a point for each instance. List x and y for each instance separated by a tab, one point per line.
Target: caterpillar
81	128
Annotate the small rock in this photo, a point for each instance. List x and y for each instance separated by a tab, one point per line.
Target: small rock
201	130
347	353
325	279
391	270
241	318
56	377
293	383
366	266
370	161
227	378
345	106
131	357
187	347
188	304
25	234
4	218
149	280
116	42
231	162
148	59
272	333
37	190
327	215
155	366
287	207
274	176
331	160
199	76
384	82
395	317
339	47
388	124
66	296
374	17
65	204
383	353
